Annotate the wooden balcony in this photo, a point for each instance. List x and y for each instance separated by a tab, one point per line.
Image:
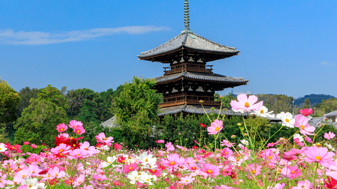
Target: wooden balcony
188	67
189	99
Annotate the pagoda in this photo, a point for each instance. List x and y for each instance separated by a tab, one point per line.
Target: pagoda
189	80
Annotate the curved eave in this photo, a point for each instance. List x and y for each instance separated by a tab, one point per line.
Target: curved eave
209	54
232	83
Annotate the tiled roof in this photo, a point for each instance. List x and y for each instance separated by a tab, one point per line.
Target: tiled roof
192	41
331	114
201	76
197	109
110	123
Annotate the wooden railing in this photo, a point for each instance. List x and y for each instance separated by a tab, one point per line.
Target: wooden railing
187	67
189	99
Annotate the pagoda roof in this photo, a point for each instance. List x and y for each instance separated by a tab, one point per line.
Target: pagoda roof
191	42
198	109
202	76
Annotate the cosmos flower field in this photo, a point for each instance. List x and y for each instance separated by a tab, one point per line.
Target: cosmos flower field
296	162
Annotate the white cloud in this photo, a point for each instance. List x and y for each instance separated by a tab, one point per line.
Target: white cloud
326	63
9	36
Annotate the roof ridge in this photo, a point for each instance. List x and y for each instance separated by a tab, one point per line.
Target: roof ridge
232	48
145	52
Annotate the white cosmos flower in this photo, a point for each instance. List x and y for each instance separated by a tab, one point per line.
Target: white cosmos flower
134	177
2	147
104	147
245	142
33	184
330	147
287	119
146	178
109	161
300	138
147	159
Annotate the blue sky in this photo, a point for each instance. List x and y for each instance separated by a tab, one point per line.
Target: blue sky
287	47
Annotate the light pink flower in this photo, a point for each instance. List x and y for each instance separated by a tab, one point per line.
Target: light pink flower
173	160
308	139
103	139
320	155
131	167
210	169
223	187
291	172
26	143
302	123
79	130
226	153
254	169
329	135
306	112
74	124
215	127
61	127
160	141
62	148
277	186
246	104
169	146
79	180
186	180
226	143
33	146
304	185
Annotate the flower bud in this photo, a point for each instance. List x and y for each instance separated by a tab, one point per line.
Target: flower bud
233	136
239	124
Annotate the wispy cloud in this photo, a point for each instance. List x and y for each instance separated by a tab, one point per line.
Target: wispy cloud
326	63
9	36
242	92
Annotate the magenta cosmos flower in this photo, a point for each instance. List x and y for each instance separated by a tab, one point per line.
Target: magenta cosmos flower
320	155
329	135
215	127
79	130
61	127
246	104
302	123
306	112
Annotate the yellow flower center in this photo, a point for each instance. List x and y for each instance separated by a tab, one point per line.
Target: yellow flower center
209	171
253	171
302	126
146	160
61	150
130	168
247	105
261	111
186	180
292	172
269	157
318	157
61	129
287	120
217	128
23	176
172	162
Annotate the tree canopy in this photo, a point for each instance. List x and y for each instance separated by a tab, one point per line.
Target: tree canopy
9	100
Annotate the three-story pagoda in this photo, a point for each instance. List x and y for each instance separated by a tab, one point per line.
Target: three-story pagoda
188	79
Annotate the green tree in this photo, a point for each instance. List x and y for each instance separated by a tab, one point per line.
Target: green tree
306	103
277	103
136	107
327	106
53	95
226	100
38	122
26	94
9	100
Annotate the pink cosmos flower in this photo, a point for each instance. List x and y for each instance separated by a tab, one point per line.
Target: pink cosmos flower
306	112
210	169
61	127
169	146
226	143
329	135
78	181
173	160
320	155
277	186
223	187
77	154
246	104
62	148
254	169
91	150
74	124
79	130
33	146
160	141
131	167
291	172
304	185
215	127
26	143
302	123
308	139
117	146
226	153
186	180
103	139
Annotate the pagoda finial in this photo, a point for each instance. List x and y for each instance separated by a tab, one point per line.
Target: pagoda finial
187	17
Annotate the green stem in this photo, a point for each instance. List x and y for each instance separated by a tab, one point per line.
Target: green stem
313	141
315	175
273	135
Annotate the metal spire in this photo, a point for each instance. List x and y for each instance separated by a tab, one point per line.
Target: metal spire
187	17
